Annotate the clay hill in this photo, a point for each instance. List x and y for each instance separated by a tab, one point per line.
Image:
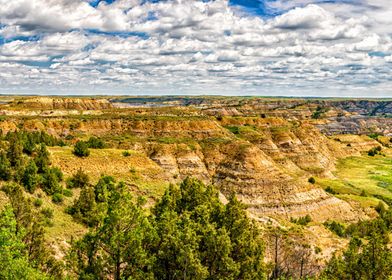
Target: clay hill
264	150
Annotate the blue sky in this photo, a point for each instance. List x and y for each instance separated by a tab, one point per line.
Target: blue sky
233	47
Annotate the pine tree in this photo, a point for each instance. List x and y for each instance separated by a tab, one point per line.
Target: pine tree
81	149
41	159
50	181
118	248
29	227
14	263
5	167
200	238
30	178
15	151
78	180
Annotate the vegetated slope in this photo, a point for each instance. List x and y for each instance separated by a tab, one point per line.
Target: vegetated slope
265	158
263	149
266	161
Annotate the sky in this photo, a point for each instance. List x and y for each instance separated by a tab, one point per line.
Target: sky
202	47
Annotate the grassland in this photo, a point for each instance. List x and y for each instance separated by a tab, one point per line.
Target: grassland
136	169
363	179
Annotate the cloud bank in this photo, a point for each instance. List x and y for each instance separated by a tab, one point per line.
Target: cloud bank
296	47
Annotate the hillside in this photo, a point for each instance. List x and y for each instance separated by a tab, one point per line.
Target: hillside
283	158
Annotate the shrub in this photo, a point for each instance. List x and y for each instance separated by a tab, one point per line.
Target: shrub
303	221
81	149
42	158
374	136
67	193
5	167
126	153
312	180
47	213
336	228
95	143
363	193
330	190
375	151
233	129
57	198
318	114
58	173
380	208
50	181
78	180
30	177
38	202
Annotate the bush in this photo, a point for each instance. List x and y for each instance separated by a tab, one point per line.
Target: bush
50	181
42	158
318	114
375	151
5	167
78	180
30	177
67	193
81	149
95	143
374	136
47	213
233	129
312	180
38	202
303	221
126	154
380	208
57	198
336	228
58	173
330	190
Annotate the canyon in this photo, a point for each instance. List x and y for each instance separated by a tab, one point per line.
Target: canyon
264	150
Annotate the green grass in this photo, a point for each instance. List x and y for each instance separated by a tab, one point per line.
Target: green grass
372	174
359	175
64	227
364	202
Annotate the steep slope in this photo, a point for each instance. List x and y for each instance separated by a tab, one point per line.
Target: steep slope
265	160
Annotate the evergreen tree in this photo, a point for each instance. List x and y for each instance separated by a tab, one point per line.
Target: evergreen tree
50	181
78	180
14	263
30	178
368	259
95	143
15	151
29	144
29	226
104	187
5	167
81	149
119	247
41	159
85	208
200	238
